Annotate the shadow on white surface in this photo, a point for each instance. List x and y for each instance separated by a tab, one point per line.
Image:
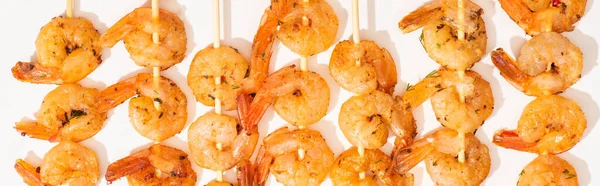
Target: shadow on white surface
493	150
581	167
101	153
327	129
588	106
588	46
488	73
343	19
516	42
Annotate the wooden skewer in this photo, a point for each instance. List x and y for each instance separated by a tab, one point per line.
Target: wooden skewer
217	44
155	39
361	153
356	26
69	8
461	76
303	67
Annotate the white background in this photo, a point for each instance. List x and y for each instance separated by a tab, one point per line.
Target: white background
21	21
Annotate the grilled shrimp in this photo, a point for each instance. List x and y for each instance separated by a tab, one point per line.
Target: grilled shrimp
549	64
225	62
305	39
67	51
67	163
439	150
262	50
364	119
299	97
156	125
68	113
377	70
136	28
444	88
439	38
156	165
279	155
548	170
536	17
346	169
548	125
216	143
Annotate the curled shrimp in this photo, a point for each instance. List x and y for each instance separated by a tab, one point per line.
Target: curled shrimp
536	17
156	165
216	144
444	87
224	62
67	163
66	51
548	170
549	64
279	155
364	119
319	32
549	124
261	53
136	28
299	97
68	113
445	10
346	169
439	37
156	125
439	150
377	70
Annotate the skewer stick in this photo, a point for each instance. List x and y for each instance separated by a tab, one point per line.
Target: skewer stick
217	44
461	76
361	153
356	26
155	39
461	151
461	18
303	67
69	8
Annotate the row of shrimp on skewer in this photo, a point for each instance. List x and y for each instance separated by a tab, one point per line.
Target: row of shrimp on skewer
68	50
548	64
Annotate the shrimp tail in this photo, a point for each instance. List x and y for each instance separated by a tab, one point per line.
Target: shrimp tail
33	72
264	161
259	106
30	174
421	16
519	11
408	157
35	130
387	76
245	176
126	166
510	139
261	52
116	94
508	69
244	144
403	123
243	106
117	32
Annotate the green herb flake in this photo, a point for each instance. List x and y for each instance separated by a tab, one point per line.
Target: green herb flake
235	87
568	174
438	45
434	163
77	113
477	111
432	74
522	172
409	87
421	40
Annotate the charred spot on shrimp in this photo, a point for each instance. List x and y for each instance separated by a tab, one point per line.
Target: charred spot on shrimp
297	93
